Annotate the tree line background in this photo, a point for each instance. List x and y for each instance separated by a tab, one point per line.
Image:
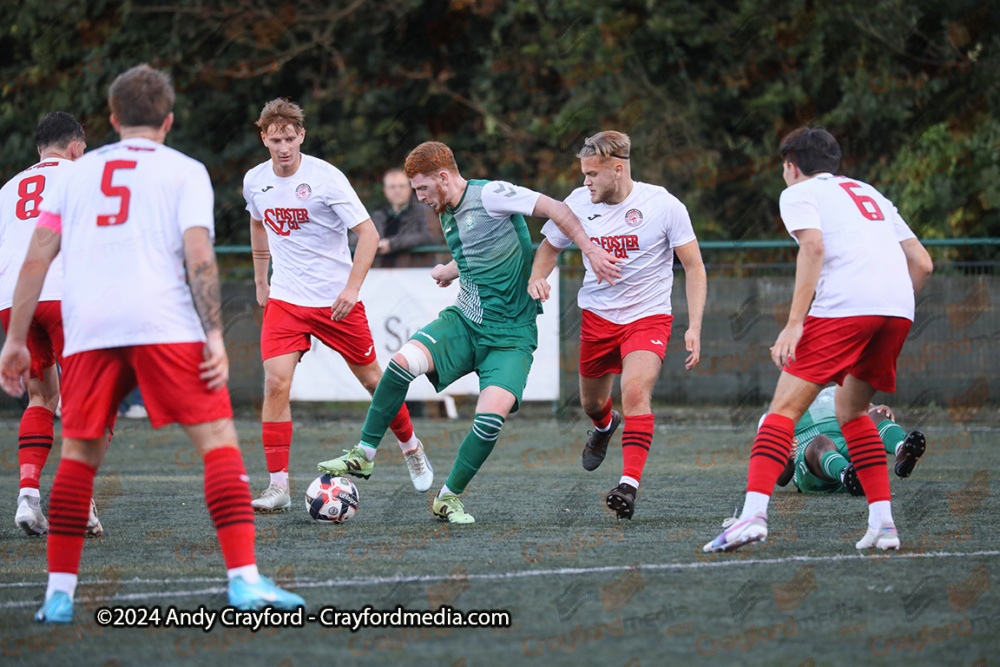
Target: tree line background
705	89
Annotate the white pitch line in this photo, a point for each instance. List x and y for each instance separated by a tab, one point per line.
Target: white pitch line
375	581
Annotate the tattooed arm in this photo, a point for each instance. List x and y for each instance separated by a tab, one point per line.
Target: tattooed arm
203	278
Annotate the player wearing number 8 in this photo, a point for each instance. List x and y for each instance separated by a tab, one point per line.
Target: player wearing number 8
60	140
128	218
864	265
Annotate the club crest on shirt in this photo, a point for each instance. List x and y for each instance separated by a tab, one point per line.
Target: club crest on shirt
633	218
303	192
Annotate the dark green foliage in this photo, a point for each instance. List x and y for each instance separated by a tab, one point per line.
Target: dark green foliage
705	89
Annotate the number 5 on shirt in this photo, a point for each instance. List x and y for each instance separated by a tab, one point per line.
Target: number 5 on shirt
115	191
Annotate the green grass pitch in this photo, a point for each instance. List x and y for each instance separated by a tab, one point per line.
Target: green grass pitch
582	588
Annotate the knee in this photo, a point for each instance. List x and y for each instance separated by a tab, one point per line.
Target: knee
635	398
47	400
400	359
591	406
276	386
413	359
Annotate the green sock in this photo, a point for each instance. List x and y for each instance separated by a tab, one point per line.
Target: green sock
386	402
892	434
474	450
833	463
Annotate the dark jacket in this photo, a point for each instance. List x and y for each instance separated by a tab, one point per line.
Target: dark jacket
415	225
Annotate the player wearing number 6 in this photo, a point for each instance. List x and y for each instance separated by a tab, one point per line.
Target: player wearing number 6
132	220
864	265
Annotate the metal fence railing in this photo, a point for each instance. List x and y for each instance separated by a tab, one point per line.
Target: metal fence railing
951	358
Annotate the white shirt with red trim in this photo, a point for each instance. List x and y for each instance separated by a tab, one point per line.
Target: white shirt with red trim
20	204
124	209
864	267
641	232
306	216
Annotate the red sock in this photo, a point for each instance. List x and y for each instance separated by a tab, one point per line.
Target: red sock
602	418
277	437
401	426
227	494
868	456
769	454
34	442
636	439
69	506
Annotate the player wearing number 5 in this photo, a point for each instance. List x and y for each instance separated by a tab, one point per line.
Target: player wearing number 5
133	220
864	265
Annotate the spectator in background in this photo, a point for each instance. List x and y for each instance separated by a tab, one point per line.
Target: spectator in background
404	222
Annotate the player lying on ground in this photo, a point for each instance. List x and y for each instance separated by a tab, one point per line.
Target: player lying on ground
60	139
128	218
490	330
864	265
822	462
626	326
300	210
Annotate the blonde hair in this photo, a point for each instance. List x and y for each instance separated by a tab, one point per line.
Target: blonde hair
607	144
282	113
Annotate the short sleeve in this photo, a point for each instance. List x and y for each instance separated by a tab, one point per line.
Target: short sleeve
554	235
197	200
502	199
680	231
344	200
799	209
251	207
899	226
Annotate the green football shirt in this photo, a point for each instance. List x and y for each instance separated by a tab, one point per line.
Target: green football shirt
821	417
489	239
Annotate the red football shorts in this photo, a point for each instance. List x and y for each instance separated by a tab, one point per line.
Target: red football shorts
604	344
287	329
95	382
867	346
45	336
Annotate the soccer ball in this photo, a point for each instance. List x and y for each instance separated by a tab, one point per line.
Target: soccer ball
331	499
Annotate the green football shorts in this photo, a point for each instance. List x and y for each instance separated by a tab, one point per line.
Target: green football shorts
500	357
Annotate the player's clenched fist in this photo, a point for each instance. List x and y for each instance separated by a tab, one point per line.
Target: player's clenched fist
445	274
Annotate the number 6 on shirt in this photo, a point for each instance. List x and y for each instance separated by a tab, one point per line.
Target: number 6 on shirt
875	213
115	191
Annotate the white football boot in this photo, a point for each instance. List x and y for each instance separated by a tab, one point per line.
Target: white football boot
421	472
29	516
885	537
738	533
275	498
